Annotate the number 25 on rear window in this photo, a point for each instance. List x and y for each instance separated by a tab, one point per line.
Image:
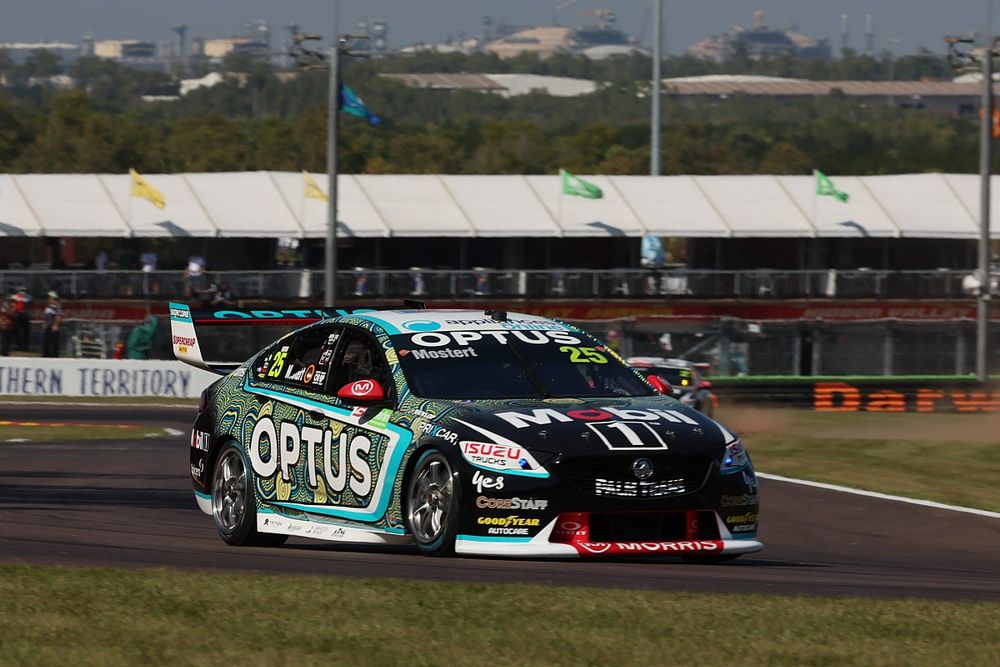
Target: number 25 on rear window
584	355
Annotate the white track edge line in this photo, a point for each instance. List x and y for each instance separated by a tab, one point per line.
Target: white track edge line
881	496
102	405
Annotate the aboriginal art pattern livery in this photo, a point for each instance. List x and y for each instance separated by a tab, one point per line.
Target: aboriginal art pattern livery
520	463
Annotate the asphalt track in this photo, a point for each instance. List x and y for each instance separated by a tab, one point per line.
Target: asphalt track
129	504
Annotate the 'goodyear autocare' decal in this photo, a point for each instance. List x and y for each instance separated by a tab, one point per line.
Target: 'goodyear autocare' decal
500	454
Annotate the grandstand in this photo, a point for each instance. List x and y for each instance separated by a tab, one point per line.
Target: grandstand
766	277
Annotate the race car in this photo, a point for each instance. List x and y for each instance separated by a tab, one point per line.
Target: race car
686	382
458	431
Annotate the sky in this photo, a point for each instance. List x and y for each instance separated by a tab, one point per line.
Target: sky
900	25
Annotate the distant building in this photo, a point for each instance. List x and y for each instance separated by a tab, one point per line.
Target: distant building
124	49
597	41
953	98
543	41
220	48
759	42
506	85
18	51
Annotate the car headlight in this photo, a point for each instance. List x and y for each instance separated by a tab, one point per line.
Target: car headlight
734	458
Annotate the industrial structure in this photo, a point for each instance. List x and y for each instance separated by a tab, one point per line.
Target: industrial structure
757	42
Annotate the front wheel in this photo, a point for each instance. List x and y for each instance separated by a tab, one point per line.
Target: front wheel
234	509
432	504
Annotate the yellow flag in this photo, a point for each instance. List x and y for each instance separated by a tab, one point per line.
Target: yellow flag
141	188
312	188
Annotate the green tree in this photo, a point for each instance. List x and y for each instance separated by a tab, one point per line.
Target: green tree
207	143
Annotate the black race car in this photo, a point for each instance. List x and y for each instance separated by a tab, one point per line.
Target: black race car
686	382
467	431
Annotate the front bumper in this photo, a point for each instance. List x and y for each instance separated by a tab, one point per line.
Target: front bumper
568	535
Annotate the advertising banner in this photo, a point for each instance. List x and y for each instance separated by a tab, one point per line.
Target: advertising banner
32	376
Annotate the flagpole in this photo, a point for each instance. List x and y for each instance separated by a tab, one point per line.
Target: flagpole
654	143
333	130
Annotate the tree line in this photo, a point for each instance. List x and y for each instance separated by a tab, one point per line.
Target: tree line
262	118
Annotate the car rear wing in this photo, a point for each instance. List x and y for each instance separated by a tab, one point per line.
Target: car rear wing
184	322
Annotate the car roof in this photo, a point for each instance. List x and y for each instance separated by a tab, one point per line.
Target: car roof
416	321
660	362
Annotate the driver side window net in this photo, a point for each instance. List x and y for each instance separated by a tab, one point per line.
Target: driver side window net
362	359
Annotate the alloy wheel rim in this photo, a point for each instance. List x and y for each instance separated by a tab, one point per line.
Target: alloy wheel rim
229	492
430	500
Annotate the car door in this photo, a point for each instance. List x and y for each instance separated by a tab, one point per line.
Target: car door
345	455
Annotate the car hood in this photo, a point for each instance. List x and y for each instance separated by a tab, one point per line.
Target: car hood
655	424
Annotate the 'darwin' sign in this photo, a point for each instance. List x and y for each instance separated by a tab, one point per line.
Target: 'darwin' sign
846	397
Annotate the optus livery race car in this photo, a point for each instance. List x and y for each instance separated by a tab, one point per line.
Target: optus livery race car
686	383
467	431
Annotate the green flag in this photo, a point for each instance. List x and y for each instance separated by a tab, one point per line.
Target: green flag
574	185
824	186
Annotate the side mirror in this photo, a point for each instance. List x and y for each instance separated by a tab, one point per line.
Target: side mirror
362	392
660	385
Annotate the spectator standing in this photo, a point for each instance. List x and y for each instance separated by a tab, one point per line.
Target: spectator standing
6	326
53	320
101	261
22	319
195	275
140	341
148	262
223	295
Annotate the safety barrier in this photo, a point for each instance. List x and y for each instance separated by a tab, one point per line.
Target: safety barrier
417	282
101	378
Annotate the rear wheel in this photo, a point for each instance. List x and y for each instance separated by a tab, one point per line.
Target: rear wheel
234	508
432	504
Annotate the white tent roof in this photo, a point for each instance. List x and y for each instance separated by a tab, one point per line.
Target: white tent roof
268	204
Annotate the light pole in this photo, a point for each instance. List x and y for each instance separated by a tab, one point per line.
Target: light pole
892	69
654	142
985	169
961	56
332	134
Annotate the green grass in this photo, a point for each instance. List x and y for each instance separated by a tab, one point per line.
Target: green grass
75	432
55	615
950	458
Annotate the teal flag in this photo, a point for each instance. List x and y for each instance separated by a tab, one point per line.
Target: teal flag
825	187
574	185
354	105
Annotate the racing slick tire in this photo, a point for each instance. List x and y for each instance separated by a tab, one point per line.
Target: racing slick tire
234	508
432	504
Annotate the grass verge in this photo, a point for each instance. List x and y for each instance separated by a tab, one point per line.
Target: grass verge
55	615
950	458
77	432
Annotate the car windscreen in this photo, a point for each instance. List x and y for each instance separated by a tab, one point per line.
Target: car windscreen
512	364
